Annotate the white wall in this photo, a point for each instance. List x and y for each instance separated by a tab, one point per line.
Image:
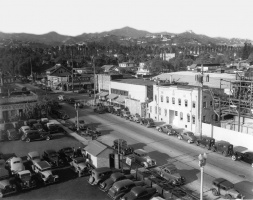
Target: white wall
234	137
94	160
138	92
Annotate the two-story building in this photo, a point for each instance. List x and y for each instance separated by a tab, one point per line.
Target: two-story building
126	64
179	105
143	70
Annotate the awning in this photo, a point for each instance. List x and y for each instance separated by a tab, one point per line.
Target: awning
112	96
103	94
120	99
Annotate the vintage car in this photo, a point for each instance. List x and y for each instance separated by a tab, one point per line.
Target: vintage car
31	135
38	126
44	121
100	109
135	118
43	171
141	157
15	165
79	166
81	124
223	147
66	154
188	136
121	146
13	134
7	183
70	126
52	157
117	176
166	128
139	193
120	188
23	129
33	157
224	188
125	114
148	122
52	128
93	133
8	126
170	173
99	175
25	180
205	141
245	157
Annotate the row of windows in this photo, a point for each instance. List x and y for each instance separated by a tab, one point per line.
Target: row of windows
119	92
185	102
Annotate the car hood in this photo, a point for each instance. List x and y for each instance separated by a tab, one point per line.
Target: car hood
82	166
234	192
47	173
108	182
4	183
192	137
17	167
36	160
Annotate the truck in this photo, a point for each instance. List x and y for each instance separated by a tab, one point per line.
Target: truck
142	158
121	146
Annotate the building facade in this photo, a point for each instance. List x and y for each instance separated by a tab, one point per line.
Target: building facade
179	105
126	64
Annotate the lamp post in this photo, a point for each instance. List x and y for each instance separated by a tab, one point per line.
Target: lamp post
202	163
94	71
77	117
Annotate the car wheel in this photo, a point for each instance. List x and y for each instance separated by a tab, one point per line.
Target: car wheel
197	143
228	196
91	180
234	157
215	192
27	140
160	130
48	138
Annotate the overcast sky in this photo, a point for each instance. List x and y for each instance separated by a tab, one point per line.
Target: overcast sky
215	18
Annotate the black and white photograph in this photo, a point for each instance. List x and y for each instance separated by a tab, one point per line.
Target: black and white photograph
126	100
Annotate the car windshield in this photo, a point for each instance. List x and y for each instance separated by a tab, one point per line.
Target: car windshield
27	175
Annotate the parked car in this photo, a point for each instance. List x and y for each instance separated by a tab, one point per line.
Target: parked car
109	109
71	126
13	134
7	183
25	180
8	126
141	157
14	165
188	136
205	141
170	173
44	120
71	101
38	126
61	98
32	135
82	125
66	154
121	146
136	118
140	193
44	173
115	177
99	175
53	128
100	109
148	122
245	157
33	157
93	133
23	129
125	114
120	188
79	166
223	147
166	128
224	188
52	157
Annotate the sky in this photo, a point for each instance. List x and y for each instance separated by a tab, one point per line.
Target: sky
215	18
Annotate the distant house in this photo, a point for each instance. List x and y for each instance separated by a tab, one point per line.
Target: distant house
191	67
83	70
98	154
109	68
126	64
142	70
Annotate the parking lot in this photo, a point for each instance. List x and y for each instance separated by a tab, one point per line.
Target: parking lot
69	185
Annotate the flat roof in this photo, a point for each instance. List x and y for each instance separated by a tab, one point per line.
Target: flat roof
135	81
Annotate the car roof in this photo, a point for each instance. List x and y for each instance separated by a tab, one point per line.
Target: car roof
43	164
116	175
25	127
102	169
123	182
49	151
34	154
138	189
222	142
140	151
24	172
66	148
78	159
13	159
224	182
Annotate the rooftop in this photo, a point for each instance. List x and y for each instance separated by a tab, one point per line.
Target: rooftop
95	148
135	81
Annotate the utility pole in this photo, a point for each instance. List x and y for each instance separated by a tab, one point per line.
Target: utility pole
72	70
94	71
201	102
239	108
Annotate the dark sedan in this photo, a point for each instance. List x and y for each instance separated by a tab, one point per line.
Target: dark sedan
245	157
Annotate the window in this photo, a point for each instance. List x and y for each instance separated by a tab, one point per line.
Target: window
173	100
204	118
155	98
193	104
159	111
179	102
181	116
176	113
193	119
167	99
186	103
211	103
150	109
161	98
204	104
165	112
188	117
156	110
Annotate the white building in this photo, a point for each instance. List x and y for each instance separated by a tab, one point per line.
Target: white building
142	70
178	105
126	64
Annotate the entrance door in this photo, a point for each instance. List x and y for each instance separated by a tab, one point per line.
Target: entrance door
111	160
5	116
171	116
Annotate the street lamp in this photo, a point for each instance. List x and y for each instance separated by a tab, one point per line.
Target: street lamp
77	117
202	163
